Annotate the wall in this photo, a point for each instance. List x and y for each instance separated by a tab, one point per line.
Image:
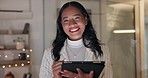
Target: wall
37	36
49	22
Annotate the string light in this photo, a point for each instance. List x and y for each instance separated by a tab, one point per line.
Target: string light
24	49
28	55
15	65
30	50
28	62
19	55
22	64
4	66
6	56
9	65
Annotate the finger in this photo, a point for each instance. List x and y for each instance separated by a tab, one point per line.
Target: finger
68	74
79	72
65	73
57	65
91	74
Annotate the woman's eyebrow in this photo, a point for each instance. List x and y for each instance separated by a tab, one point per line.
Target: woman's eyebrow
64	17
77	15
73	15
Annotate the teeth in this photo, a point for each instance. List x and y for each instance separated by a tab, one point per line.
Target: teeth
75	29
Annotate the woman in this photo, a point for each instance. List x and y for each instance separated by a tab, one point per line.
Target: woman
75	41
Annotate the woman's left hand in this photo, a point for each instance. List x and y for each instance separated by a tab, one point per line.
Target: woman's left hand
69	74
80	74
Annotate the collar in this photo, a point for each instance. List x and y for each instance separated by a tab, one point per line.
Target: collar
74	44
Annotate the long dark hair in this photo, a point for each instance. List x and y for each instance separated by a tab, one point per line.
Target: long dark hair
89	36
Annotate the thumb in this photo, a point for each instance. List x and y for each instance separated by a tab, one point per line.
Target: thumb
79	72
91	74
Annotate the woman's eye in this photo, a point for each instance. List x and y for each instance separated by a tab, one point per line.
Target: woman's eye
77	18
65	21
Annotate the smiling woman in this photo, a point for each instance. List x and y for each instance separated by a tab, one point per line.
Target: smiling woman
126	47
75	40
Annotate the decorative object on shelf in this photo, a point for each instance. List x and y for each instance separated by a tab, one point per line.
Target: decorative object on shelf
27	75
9	75
22	56
26	28
20	43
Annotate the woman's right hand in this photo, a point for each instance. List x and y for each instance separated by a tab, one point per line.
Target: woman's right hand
56	68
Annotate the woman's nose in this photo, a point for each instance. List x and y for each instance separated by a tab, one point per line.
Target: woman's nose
72	22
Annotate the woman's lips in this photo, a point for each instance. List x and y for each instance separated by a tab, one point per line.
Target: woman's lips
74	30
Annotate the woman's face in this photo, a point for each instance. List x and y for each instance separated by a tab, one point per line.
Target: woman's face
73	23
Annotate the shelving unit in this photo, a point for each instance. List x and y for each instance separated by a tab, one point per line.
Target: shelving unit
8	50
14	13
10	55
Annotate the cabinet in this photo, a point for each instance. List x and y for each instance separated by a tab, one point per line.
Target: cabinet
15	50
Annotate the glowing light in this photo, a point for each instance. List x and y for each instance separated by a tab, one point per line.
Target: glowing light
28	55
15	65
28	62
19	55
4	66
22	64
6	56
31	50
124	31
24	49
9	65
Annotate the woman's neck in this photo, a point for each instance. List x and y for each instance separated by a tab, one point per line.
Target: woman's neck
75	44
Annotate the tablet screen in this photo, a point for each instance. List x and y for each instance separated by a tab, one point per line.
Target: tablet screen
85	66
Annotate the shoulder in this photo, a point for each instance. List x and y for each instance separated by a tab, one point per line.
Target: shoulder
106	52
47	53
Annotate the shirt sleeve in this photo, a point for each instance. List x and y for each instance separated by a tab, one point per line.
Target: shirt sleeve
46	65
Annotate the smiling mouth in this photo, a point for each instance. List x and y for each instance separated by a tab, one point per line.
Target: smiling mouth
74	30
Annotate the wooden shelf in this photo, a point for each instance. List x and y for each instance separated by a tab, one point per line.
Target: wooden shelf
14	63
14	32
15	15
26	50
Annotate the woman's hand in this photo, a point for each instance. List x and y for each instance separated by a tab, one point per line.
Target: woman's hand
80	74
56	68
69	74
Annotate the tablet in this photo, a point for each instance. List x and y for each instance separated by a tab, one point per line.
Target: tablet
85	66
